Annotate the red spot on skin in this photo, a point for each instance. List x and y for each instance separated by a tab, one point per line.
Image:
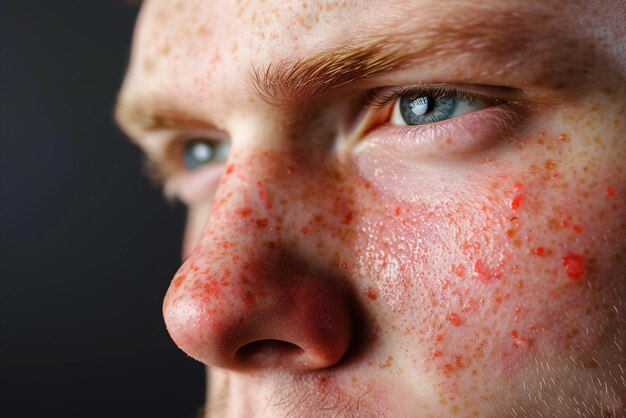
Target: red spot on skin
455	319
577	229
261	223
565	223
178	281
263	195
518	311
371	294
305	230
470	305
484	273
397	211
610	192
520	340
347	218
540	251
517	202
458	361
459	270
457	364
518	185
230	169
564	137
574	265
344	266
437	353
244	212
249	298
439	338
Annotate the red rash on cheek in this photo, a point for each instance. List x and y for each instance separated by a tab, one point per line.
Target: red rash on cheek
490	261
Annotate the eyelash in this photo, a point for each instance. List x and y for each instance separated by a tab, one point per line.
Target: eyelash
381	97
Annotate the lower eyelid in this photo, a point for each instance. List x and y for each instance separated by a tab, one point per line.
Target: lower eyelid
464	134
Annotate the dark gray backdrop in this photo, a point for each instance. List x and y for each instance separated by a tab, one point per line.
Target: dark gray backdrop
88	245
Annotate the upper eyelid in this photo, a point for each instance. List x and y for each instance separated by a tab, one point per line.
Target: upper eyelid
490	94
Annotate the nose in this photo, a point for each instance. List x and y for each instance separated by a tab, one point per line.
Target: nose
251	294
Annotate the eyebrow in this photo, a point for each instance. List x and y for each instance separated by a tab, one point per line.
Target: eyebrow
504	39
508	37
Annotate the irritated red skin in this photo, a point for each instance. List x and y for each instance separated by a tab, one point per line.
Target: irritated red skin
484	280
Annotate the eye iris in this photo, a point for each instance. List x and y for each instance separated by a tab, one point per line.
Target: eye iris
197	154
427	109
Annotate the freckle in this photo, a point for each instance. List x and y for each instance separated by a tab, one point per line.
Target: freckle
610	192
574	265
178	281
203	30
517	201
454	319
550	165
388	363
347	218
564	137
164	50
148	65
261	223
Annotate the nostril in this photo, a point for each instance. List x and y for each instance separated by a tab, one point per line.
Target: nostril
269	353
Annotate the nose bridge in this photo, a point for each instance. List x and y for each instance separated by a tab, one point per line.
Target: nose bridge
243	288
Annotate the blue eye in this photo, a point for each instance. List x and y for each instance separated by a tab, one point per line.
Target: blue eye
425	109
199	152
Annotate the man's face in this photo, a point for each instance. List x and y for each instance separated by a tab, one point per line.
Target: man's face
396	208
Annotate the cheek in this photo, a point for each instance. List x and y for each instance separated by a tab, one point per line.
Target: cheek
498	265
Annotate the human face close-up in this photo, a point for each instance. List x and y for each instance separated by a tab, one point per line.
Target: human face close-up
395	208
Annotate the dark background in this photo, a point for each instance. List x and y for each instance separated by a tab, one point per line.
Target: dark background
88	245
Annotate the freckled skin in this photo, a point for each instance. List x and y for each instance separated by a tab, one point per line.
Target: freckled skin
374	281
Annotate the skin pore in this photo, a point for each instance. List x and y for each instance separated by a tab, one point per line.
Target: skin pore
341	263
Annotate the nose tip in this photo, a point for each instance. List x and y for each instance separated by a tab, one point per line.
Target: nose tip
280	318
